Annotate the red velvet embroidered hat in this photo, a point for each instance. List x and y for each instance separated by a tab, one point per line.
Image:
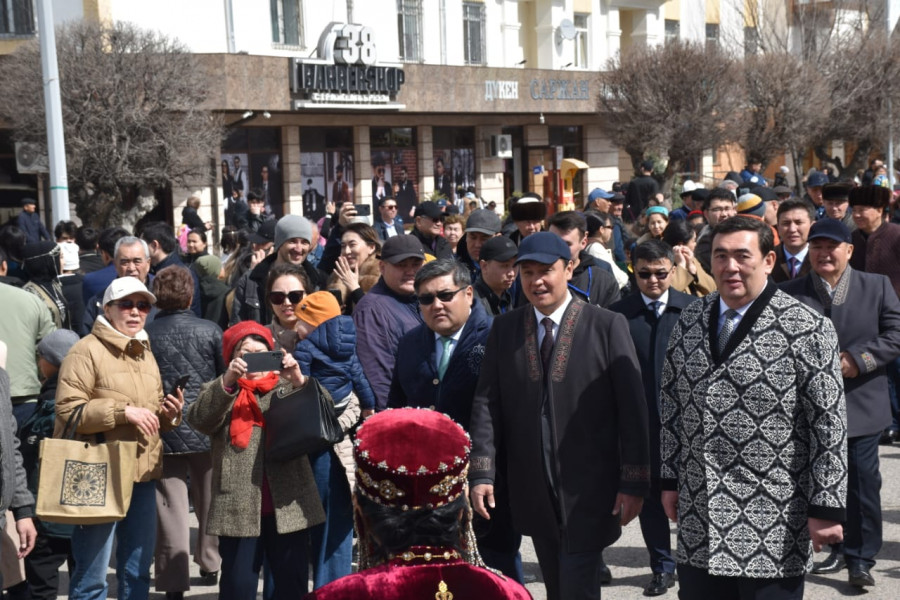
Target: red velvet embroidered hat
411	458
234	334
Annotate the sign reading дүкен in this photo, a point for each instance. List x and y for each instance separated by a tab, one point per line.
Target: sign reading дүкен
345	74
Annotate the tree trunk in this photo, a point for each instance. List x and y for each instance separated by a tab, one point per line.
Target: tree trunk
128	218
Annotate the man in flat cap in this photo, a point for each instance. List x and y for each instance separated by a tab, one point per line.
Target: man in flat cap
560	381
865	311
29	222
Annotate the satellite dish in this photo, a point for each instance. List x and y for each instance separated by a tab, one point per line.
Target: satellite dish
567	29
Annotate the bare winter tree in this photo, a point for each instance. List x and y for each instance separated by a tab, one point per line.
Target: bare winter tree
674	101
132	114
823	73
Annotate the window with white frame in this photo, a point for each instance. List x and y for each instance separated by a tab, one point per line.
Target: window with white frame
409	29
712	35
673	30
287	23
581	41
16	17
473	32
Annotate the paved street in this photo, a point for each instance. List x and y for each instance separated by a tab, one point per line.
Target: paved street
628	559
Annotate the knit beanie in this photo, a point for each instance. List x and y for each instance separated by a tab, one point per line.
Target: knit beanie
234	334
208	265
317	308
290	227
751	204
55	345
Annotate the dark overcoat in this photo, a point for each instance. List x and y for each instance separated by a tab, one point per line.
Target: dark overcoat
416	383
651	337
866	314
598	417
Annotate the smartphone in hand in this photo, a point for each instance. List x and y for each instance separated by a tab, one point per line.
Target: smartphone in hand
179	385
258	362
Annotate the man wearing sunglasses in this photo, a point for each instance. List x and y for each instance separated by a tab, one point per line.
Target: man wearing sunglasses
559	396
652	311
437	367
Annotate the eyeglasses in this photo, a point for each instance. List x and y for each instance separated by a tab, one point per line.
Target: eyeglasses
142	305
390	207
446	296
279	297
660	275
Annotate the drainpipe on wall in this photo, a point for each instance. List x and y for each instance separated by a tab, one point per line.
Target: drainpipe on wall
229	26
443	22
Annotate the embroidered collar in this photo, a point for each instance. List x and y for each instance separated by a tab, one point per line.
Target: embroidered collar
841	290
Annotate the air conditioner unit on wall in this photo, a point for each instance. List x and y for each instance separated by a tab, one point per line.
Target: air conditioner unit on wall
501	146
31	158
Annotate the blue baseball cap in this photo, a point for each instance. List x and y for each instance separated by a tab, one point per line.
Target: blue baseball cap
816	179
831	229
599	193
543	247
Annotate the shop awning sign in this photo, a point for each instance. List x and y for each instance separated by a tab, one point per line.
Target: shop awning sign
345	74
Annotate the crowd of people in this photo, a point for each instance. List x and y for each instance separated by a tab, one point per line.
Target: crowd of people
554	374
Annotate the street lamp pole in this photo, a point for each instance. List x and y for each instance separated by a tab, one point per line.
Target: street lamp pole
56	146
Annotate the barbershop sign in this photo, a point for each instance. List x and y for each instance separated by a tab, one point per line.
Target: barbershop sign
345	74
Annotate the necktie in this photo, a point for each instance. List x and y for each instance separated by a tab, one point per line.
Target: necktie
794	263
445	356
547	343
727	328
654	307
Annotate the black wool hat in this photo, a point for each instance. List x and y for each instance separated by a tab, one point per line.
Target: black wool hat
870	195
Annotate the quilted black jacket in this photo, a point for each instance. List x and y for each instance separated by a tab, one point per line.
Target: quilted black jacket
184	344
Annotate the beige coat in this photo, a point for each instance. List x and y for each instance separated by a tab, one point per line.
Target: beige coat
697	285
107	371
238	473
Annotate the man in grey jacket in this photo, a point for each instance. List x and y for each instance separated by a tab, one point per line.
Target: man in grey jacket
14	494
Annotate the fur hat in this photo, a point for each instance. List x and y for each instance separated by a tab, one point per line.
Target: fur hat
870	195
530	207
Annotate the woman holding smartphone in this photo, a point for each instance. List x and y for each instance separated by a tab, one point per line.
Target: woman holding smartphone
259	508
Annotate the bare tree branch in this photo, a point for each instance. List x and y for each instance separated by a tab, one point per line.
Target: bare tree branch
132	114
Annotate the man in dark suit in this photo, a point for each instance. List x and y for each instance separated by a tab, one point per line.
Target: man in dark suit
592	279
390	223
866	314
559	395
405	192
437	367
442	182
652	312
340	191
795	217
313	202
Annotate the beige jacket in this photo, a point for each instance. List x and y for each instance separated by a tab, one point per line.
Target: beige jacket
238	473
107	371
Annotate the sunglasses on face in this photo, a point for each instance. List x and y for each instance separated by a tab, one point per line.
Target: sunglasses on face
279	297
660	275
142	305
446	296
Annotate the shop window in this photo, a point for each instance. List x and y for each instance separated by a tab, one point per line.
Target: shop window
673	30
473	33
581	41
326	168
409	28
395	166
16	17
251	161
454	161
287	22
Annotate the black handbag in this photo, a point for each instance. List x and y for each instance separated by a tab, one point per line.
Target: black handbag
301	422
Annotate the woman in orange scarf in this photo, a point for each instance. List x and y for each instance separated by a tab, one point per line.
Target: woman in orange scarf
259	507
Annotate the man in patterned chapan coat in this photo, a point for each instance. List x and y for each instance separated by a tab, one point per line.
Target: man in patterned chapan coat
754	444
